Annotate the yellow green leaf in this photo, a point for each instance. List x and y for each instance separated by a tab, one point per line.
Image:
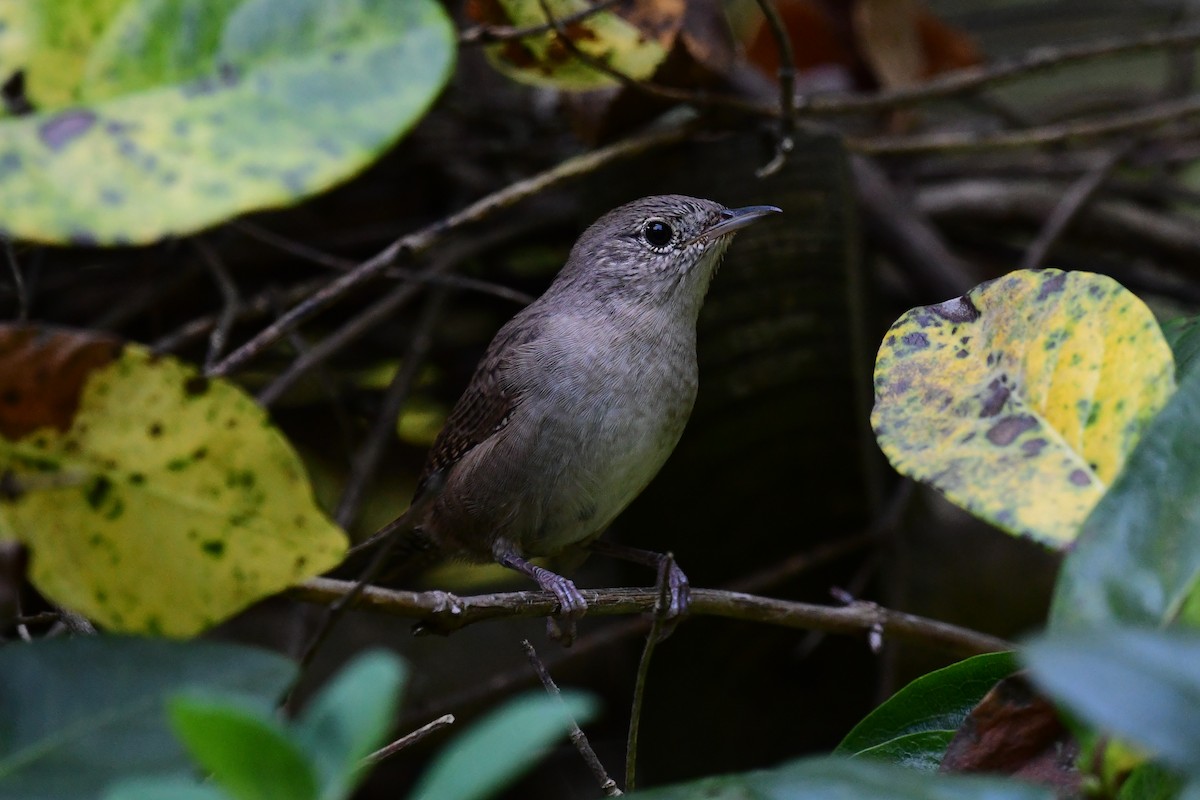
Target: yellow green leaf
50	41
1021	400
634	47
153	500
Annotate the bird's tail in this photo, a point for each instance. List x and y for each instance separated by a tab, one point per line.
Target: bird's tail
395	552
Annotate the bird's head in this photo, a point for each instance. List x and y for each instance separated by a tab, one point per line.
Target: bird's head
657	247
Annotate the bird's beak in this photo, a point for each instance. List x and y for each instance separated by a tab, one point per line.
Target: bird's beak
734	219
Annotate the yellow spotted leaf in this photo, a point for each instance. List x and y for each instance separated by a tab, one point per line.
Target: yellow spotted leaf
153	500
49	42
1021	400
156	118
633	42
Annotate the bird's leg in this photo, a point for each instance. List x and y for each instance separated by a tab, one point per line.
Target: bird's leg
571	605
678	588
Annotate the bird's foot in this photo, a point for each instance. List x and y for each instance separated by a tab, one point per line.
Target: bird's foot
674	595
673	586
571	605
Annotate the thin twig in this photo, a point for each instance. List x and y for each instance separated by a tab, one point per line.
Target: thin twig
1073	201
315	256
445	612
490	34
578	737
962	81
230	301
787	89
865	572
420	241
258	306
383	431
409	739
364	321
1146	118
643	671
293	247
354	328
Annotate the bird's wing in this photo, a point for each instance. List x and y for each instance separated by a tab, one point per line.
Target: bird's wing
484	408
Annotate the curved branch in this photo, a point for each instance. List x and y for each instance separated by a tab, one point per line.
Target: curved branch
1039	59
443	612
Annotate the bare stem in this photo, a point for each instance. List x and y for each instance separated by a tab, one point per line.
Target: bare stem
578	737
407	740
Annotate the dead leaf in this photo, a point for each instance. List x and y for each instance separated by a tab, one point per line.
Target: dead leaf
1015	731
870	43
42	373
889	42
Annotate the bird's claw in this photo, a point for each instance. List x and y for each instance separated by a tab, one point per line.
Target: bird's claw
571	607
674	596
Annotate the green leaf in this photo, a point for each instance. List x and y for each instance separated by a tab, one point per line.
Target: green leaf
1183	335
922	751
154	500
187	112
1021	400
838	779
1142	685
1151	782
915	725
51	41
78	714
1138	555
245	749
349	719
498	748
164	789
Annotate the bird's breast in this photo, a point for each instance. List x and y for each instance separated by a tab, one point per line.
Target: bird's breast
607	415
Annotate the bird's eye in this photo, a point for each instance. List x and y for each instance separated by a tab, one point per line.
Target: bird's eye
657	233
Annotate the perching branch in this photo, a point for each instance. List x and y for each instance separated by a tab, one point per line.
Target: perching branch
443	612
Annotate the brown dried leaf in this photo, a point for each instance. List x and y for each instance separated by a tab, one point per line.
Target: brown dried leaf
42	373
819	33
1015	731
888	40
868	43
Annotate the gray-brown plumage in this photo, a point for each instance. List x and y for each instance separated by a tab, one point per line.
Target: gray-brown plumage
580	398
